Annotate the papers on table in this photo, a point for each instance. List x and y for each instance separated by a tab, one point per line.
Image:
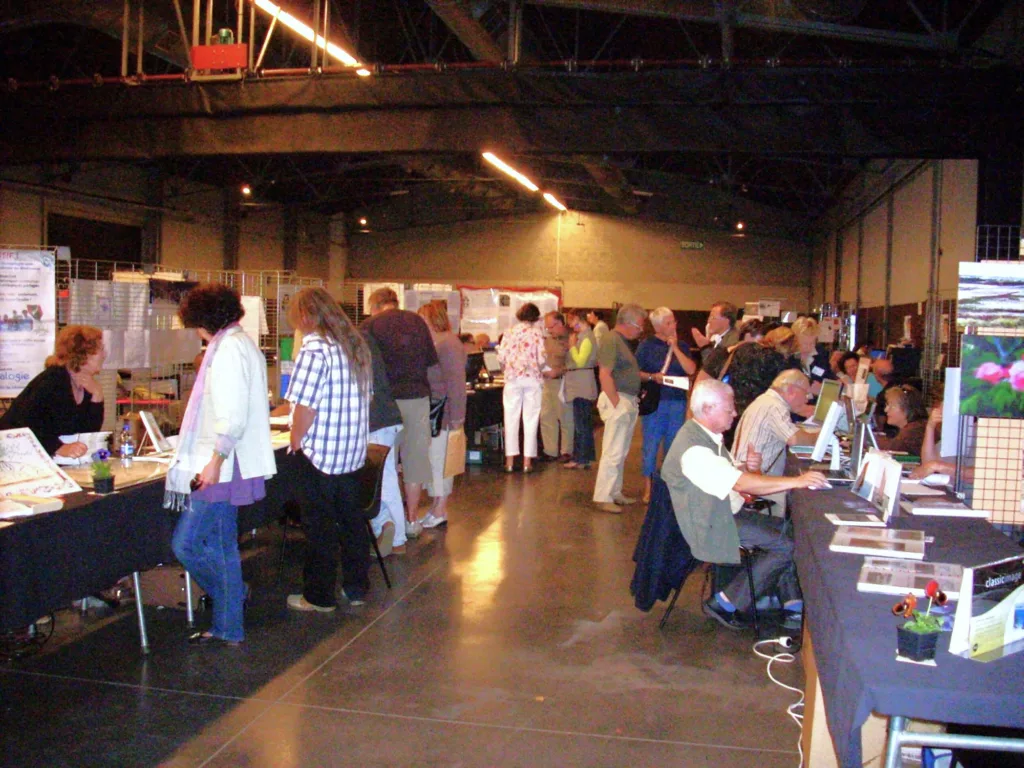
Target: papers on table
898	577
26	468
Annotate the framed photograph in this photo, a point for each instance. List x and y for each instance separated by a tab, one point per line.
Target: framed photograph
992	377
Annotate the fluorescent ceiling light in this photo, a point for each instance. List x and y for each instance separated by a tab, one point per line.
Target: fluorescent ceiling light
554	201
504	167
306	31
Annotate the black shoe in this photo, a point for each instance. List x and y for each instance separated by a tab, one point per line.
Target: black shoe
728	619
204	638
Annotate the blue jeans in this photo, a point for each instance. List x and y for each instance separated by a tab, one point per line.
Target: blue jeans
660	429
583	450
206	543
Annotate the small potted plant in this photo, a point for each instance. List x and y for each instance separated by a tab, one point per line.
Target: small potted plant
918	636
102	475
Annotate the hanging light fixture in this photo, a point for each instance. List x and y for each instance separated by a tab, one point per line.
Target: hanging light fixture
305	31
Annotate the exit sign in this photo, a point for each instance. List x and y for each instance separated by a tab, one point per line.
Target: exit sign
691	245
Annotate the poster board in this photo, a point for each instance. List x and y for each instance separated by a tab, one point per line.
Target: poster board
493	310
28	317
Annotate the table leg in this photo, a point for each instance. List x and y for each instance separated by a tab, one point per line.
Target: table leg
189	613
143	637
894	747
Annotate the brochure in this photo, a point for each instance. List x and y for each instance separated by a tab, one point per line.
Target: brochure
886	542
899	577
989	620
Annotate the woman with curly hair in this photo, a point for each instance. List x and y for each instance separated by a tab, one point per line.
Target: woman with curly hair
222	457
65	398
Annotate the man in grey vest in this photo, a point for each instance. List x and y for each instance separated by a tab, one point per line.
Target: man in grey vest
705	486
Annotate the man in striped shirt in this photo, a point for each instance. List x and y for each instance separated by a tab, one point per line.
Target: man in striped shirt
767	426
330	391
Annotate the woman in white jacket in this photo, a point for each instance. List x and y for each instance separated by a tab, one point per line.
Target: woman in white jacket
223	455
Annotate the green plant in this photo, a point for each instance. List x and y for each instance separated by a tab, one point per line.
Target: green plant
101	464
922	623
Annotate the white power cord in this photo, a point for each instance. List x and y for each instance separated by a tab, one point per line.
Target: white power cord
785	658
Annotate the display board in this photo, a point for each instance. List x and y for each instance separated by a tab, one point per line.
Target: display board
28	317
493	310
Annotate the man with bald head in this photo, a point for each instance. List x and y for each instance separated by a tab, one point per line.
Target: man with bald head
705	485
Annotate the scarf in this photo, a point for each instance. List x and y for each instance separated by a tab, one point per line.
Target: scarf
186	464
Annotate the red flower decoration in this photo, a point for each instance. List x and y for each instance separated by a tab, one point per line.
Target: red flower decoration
932	589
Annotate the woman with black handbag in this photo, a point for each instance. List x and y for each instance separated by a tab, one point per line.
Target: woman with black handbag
662	408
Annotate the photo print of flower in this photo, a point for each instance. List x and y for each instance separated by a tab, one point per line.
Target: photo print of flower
992	377
991	295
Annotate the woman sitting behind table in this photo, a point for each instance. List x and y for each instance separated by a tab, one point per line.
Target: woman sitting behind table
904	409
65	398
223	455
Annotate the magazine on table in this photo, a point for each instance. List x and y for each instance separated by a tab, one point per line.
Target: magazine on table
887	542
989	619
890	576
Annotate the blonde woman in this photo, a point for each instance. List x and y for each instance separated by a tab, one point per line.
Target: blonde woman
447	380
813	360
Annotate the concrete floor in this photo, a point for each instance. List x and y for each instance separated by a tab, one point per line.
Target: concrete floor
509	639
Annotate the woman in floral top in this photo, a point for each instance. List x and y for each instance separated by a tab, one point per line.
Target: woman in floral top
521	354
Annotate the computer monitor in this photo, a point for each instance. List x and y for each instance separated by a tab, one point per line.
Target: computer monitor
828	428
474	364
830	389
491	362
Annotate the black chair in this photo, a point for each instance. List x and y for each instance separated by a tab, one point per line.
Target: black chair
371	479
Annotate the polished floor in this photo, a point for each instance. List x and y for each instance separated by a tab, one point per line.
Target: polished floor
509	639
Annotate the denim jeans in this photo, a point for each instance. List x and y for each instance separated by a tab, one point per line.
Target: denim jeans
659	429
206	542
583	449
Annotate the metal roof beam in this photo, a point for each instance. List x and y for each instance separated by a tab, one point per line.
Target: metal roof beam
471	33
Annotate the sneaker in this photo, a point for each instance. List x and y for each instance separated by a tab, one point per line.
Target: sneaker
413	529
433	522
624	500
607	506
356	600
300	603
728	619
386	538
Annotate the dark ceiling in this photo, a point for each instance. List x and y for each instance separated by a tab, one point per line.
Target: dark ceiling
677	110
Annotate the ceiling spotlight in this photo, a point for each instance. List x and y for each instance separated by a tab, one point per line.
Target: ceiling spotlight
554	201
505	168
362	221
739	226
246	190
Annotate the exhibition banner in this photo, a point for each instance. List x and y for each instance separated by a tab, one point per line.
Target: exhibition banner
28	317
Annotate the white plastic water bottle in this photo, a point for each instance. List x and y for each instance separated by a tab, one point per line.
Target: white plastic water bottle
127	445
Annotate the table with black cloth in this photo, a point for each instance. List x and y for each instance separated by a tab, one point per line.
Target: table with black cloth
853	634
484	408
50	559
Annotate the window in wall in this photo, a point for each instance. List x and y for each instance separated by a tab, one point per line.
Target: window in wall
95	240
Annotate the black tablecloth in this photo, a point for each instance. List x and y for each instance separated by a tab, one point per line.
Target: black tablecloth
484	409
48	560
854	633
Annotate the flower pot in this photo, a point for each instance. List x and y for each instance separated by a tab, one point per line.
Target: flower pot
919	646
103	484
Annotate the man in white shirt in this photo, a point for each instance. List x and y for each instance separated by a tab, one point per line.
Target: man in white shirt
767	428
706	489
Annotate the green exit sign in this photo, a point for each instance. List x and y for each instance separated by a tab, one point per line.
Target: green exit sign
691	245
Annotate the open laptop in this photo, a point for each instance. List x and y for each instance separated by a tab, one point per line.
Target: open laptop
830	391
491	363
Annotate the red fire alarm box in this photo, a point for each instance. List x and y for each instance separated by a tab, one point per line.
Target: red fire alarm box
233	56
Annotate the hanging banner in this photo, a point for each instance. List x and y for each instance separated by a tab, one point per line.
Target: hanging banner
28	317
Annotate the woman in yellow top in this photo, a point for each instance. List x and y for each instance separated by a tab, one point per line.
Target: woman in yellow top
581	387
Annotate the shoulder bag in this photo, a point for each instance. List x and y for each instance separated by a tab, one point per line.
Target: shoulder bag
650	390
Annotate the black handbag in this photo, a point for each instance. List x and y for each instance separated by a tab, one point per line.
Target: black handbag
437	415
650	391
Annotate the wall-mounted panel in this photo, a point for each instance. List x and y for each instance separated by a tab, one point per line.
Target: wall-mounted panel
911	240
873	262
959	218
850	261
21	218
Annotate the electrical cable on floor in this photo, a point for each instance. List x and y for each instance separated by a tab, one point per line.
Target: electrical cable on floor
785	658
28	641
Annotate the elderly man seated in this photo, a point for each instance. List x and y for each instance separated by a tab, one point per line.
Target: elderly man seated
766	427
705	486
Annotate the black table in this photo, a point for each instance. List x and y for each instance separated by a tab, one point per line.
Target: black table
48	560
484	408
854	635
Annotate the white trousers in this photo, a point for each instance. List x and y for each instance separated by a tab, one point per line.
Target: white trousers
439	485
521	397
391	505
619	423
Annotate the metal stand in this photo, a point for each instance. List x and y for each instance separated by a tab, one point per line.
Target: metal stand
899	737
189	613
143	637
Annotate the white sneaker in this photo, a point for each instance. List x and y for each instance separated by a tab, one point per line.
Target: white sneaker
433	522
413	529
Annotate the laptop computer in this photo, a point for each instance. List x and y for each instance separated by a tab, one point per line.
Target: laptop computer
830	391
491	363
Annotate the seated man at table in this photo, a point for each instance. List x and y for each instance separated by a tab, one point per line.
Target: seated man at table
705	487
767	428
